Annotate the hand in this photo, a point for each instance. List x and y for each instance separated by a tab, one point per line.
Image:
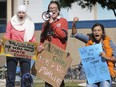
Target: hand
75	19
51	20
40	48
103	55
1	42
74	30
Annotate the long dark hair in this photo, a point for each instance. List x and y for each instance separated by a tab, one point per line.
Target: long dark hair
103	31
55	2
47	25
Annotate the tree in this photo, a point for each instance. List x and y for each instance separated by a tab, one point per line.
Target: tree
110	4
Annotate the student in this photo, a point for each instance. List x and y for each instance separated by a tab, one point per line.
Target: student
19	28
54	30
85	38
98	36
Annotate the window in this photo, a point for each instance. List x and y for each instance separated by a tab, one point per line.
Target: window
3	11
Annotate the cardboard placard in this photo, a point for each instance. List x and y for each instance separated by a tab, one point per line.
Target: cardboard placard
52	64
19	49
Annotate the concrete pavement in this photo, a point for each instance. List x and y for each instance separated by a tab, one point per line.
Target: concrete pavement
3	83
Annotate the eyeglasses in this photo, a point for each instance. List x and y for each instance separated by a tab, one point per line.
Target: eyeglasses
53	8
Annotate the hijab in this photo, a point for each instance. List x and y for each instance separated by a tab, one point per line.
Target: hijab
24	25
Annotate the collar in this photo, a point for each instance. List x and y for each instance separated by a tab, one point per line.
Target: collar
58	17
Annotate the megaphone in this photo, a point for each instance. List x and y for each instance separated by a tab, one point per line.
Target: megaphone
46	15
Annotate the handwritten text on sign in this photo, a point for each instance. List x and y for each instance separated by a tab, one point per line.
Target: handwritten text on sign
52	64
94	65
20	49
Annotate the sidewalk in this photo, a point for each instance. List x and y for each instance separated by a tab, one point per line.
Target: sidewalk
2	83
80	82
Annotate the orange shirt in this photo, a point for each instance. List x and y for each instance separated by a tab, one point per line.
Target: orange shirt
60	30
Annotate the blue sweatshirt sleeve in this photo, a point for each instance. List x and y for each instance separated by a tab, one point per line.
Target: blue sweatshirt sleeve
113	46
82	37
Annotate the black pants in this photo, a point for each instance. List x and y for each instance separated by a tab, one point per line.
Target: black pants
11	69
48	85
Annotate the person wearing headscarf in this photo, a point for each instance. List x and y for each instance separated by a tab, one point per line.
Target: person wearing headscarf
19	28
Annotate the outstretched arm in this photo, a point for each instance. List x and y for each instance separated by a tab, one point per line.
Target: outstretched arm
79	36
74	30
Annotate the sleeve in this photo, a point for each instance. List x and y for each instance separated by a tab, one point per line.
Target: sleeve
113	46
61	31
8	31
82	37
42	36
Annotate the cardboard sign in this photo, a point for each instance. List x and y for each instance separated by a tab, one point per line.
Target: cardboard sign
20	49
95	67
52	64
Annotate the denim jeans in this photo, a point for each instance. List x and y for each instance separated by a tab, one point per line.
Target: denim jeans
48	85
100	84
11	69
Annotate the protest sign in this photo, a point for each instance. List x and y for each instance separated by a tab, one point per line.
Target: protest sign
94	65
19	49
52	64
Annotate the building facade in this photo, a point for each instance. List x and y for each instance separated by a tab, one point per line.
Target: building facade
87	19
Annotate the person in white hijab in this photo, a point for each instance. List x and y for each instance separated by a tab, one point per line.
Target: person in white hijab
20	28
23	22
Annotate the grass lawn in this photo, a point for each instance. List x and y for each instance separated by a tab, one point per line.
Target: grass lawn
67	84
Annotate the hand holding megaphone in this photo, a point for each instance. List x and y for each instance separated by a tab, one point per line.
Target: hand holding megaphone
46	15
